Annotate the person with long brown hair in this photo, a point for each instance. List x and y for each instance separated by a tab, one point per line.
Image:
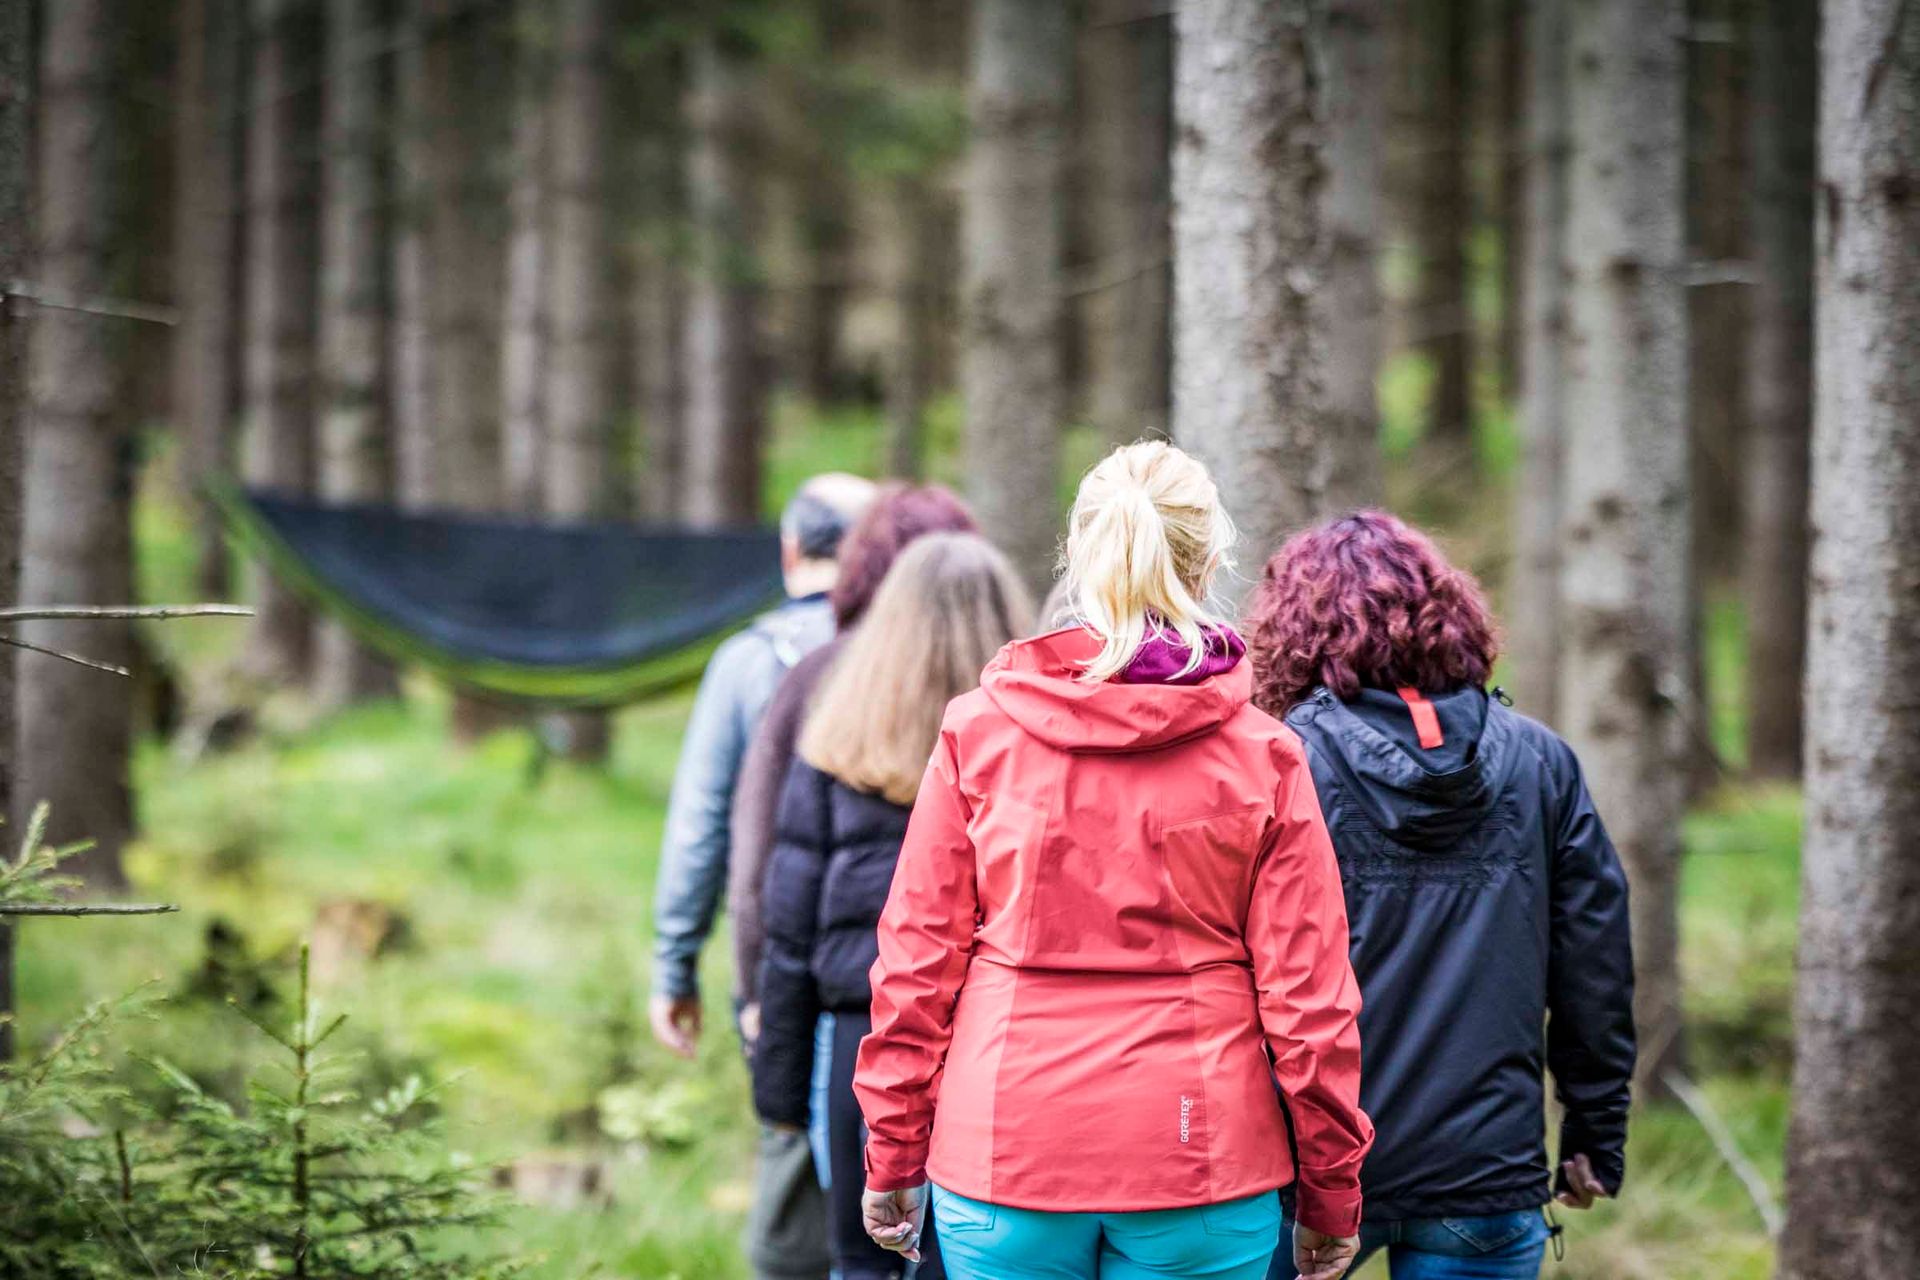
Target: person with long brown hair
947	605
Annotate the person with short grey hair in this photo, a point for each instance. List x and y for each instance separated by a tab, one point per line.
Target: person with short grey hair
739	680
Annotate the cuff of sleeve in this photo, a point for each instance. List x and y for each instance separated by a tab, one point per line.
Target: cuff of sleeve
1333	1213
675	979
1608	1160
893	1170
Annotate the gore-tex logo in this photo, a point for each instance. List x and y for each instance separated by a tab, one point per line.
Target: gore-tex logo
1186	1117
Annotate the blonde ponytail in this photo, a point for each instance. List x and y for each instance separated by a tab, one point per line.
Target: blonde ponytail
1145	539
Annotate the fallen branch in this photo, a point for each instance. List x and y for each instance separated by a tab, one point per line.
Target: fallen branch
88	908
1695	1101
74	658
111	308
79	612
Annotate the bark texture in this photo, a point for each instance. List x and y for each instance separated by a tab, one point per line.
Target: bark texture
725	385
1779	375
1533	593
282	165
75	725
1853	1148
1624	679
1012	376
1126	295
206	374
1253	388
354	460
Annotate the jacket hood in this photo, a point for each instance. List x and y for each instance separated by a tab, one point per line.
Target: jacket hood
1424	797
1037	684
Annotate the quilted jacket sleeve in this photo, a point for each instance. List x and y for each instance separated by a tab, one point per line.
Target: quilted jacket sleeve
926	940
1310	1003
790	1001
1590	1036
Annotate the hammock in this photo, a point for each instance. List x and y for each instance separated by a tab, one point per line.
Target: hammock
582	615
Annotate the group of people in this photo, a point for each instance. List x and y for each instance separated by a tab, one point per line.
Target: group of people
1059	947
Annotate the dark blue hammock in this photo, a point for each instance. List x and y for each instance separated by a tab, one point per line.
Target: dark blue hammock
590	614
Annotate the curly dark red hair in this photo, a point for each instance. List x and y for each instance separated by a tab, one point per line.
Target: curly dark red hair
1365	601
898	515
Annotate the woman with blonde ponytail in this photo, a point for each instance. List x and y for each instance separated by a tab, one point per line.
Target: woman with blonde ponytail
1115	926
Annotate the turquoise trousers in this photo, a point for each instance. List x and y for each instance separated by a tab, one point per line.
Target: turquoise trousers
1233	1240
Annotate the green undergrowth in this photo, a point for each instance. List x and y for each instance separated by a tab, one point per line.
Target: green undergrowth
509	896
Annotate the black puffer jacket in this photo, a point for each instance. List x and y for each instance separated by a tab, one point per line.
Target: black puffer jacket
827	879
1489	931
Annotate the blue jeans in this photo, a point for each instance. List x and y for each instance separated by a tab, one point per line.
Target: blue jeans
1500	1246
1232	1240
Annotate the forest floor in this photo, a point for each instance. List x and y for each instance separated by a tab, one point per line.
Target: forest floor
515	899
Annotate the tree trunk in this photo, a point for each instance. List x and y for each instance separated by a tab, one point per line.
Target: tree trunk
206	378
75	725
354	463
826	221
659	321
1353	44
579	306
660	295
1510	126
1435	46
1125	299
1012	374
467	123
1533	593
915	248
1253	365
1779	372
1717	243
523	341
579	393
410	351
16	255
1624	679
282	155
1853	1148
725	387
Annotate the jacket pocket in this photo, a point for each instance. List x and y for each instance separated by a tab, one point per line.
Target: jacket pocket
1496	1231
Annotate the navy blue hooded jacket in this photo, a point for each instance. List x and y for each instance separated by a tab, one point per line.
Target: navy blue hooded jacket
826	882
1488	913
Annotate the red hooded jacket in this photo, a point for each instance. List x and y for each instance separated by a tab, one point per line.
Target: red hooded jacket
1115	901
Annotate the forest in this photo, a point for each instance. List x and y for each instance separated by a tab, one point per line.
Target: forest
1619	298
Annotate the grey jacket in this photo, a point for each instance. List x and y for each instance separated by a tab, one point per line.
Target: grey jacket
739	681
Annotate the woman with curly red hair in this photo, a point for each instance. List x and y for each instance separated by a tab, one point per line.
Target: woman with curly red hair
1488	910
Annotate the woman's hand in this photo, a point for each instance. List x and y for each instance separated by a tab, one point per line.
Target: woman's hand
1583	1184
1318	1256
894	1219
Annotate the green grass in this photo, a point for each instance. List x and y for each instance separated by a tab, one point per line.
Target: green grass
521	970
